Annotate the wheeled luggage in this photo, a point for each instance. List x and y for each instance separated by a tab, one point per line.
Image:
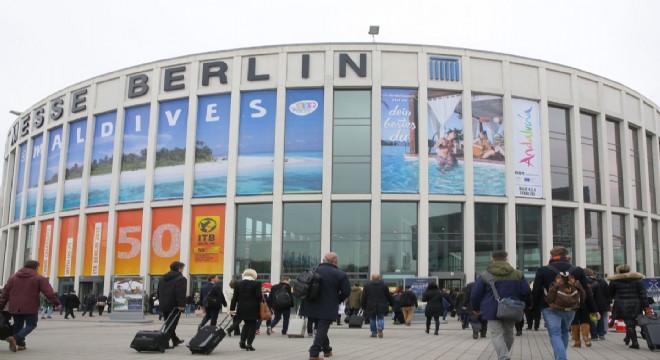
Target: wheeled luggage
208	337
155	340
356	321
650	324
297	326
6	329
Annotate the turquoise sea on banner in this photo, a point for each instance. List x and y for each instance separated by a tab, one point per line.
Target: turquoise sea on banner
255	174
303	171
211	185
399	175
31	207
98	194
131	192
71	194
489	179
449	181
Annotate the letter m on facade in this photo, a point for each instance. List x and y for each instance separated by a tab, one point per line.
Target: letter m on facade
444	68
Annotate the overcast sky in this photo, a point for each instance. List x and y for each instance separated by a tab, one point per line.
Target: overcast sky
49	45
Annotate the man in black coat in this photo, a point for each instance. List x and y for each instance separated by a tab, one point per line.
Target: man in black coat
279	306
211	290
598	287
72	301
171	296
376	300
334	289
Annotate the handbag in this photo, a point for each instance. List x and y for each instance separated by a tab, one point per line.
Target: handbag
509	309
264	310
100	303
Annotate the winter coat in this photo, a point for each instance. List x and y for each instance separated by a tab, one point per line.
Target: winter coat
629	295
408	298
72	301
334	289
44	302
90	300
509	282
247	295
544	277
599	289
376	297
172	291
467	291
22	292
433	299
207	288
354	298
274	291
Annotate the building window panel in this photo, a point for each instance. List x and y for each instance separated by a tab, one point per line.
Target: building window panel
614	159
635	171
398	254
594	240
445	237
639	245
528	238
488	233
618	239
351	237
652	171
560	154
563	229
301	237
590	168
656	248
254	238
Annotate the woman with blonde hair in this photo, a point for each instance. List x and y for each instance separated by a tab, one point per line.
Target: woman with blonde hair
247	295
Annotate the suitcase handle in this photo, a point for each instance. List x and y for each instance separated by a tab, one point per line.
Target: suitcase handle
170	319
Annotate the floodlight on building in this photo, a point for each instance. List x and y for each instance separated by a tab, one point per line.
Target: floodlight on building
373	31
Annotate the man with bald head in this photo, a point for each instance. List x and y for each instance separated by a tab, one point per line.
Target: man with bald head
334	289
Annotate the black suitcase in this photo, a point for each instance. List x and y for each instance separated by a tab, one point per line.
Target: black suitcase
155	340
208	337
356	321
6	329
650	325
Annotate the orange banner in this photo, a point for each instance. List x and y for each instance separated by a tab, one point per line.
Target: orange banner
207	239
68	244
165	238
128	245
45	247
96	242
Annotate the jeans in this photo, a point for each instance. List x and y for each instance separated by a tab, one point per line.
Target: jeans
284	315
600	327
46	311
376	321
188	307
502	333
23	325
558	324
321	341
211	314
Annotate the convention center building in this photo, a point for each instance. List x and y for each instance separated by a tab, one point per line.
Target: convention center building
405	160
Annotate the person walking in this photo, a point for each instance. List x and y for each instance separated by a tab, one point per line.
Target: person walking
62	299
265	297
629	294
509	283
334	288
376	300
281	302
21	292
433	296
212	300
235	326
479	325
599	288
72	302
90	303
409	303
101	302
353	302
172	297
46	306
247	296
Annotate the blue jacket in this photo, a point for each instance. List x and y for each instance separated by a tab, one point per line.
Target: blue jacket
335	288
509	282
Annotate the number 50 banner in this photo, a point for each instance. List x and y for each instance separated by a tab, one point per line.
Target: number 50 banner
165	238
129	242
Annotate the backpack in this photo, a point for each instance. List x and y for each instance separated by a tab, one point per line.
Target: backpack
565	292
307	285
212	300
281	299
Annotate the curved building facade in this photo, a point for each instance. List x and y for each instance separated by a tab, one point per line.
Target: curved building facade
406	160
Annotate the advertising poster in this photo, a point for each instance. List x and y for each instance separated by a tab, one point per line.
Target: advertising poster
652	286
134	154
303	141
129	242
207	241
165	238
171	149
45	247
399	142
488	145
212	146
127	293
527	154
446	169
33	178
75	157
101	166
52	170
18	198
418	286
67	252
96	242
256	143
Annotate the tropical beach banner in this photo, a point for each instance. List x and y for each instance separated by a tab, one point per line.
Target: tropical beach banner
207	241
128	245
127	294
303	141
52	170
256	143
134	154
527	153
171	149
96	242
165	238
18	198
399	143
211	146
75	157
67	252
101	166
45	247
445	134
33	178
487	142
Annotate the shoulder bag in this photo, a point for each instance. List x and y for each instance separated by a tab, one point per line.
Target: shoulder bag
508	309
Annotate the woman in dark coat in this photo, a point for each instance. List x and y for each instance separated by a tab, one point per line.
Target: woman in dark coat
434	308
247	295
629	294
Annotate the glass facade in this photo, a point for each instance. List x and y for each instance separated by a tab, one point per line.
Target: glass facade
593	228
634	170
445	237
398	232
614	159
561	170
563	229
301	237
351	237
28	243
651	161
528	238
639	245
618	239
590	168
254	232
655	247
488	233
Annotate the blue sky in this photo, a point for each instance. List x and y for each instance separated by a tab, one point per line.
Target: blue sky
215	132
304	133
33	181
135	140
76	150
21	168
172	135
103	146
53	159
257	126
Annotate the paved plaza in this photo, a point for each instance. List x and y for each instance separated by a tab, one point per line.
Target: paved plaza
90	338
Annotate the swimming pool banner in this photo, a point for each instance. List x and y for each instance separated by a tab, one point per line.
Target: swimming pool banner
102	156
256	143
45	247
445	130
488	142
22	156
52	170
68	240
127	294
528	158
128	245
399	141
75	163
96	242
33	178
165	238
134	154
212	146
303	141
171	149
207	241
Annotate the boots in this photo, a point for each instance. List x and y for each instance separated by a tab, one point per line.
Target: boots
632	335
575	334
586	334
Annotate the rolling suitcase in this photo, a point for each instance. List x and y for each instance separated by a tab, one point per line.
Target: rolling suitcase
356	321
297	326
650	325
155	340
208	337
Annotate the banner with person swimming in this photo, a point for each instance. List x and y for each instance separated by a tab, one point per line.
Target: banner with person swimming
445	142
51	176
487	141
33	178
102	156
75	164
134	154
96	243
399	142
68	245
171	149
528	157
128	243
207	239
21	155
212	146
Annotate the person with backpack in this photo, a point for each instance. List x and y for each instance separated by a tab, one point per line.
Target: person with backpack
629	294
212	300
281	302
599	289
353	302
560	276
409	303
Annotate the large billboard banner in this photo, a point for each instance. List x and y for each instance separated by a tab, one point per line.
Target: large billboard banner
67	252
96	242
528	159
399	142
45	247
128	245
488	145
52	170
134	154
171	149
102	155
207	241
445	133
75	157
127	294
18	198
212	146
165	238
33	178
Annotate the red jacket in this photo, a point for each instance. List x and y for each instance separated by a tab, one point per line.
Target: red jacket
22	292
